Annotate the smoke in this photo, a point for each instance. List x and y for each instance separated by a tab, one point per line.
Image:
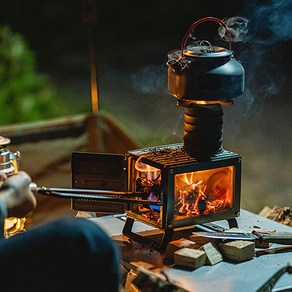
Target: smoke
273	22
150	79
237	28
263	34
255	41
268	24
143	95
150	83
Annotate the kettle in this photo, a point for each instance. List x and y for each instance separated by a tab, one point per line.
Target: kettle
203	72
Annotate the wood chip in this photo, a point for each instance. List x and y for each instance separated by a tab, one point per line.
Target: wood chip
212	253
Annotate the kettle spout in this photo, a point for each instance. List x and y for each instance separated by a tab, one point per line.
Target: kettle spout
177	65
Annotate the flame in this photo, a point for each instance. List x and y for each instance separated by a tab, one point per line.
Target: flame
150	172
189	102
223	103
148	182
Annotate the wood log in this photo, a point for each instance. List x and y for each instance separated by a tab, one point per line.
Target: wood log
238	250
190	258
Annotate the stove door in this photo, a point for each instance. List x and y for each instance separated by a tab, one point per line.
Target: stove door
98	171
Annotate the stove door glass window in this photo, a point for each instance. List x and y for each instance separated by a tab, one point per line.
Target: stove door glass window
203	192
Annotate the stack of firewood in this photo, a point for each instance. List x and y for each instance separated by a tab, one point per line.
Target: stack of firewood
198	251
281	215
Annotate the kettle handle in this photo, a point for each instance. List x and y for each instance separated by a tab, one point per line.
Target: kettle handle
204	19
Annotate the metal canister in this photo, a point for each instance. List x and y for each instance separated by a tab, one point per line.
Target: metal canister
9	162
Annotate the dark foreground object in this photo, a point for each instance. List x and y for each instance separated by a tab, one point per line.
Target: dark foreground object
66	255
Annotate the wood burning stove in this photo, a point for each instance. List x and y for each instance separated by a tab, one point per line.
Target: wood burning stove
180	190
179	185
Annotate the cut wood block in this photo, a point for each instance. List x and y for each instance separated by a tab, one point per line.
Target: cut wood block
201	240
238	250
175	245
190	258
213	255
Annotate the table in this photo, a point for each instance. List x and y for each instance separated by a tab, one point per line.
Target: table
224	276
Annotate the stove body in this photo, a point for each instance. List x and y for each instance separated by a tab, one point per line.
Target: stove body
190	191
184	191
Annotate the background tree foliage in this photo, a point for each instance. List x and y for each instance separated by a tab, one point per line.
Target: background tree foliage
25	94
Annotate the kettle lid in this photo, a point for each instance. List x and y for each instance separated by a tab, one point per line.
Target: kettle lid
206	50
4	141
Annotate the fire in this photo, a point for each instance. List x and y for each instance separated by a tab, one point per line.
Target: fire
148	181
150	172
203	192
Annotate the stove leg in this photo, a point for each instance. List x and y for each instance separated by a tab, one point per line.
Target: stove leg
158	245
127	231
167	237
232	223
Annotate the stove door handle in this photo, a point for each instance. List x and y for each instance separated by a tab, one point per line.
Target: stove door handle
117	197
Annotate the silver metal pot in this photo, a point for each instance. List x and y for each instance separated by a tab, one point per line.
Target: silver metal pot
8	160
